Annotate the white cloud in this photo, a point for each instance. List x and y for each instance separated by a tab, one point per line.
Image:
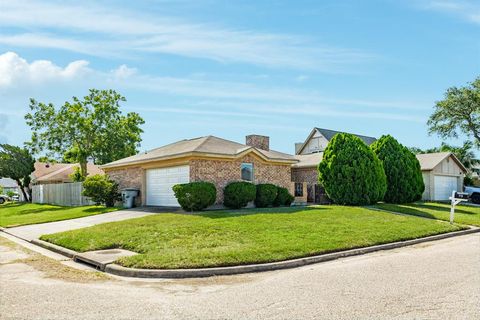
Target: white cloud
123	72
14	70
105	31
465	9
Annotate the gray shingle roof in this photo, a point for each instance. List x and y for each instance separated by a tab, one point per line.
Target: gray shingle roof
209	146
328	134
8	183
308	160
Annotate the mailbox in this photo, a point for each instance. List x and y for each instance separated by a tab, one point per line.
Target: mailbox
461	195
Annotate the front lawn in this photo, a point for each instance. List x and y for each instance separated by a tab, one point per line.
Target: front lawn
247	236
17	214
463	214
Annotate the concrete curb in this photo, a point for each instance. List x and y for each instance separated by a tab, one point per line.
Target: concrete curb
217	271
53	247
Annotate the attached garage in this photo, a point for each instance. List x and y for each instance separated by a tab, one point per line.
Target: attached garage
442	173
159	183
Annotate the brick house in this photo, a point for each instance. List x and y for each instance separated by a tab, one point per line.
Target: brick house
207	158
309	154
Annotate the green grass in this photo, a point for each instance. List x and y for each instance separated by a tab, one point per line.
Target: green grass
17	214
248	236
463	214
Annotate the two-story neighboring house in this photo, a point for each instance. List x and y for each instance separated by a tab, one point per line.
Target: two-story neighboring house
309	154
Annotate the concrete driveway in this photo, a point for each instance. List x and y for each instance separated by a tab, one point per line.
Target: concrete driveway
436	280
34	231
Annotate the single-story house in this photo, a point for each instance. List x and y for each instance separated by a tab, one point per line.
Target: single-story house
48	173
8	185
309	154
206	158
442	173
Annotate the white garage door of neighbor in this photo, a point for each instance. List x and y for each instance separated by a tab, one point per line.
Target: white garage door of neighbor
160	182
444	186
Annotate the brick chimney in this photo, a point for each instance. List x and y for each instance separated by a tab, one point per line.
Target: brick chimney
257	141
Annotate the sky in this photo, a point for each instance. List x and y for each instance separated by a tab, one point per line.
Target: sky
233	68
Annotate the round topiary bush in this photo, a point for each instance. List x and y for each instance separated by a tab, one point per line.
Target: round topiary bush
237	195
266	195
404	176
284	198
351	173
195	196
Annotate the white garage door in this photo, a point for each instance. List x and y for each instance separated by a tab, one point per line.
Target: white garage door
159	183
444	186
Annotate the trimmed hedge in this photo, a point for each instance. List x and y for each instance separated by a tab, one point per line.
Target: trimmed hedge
284	198
195	196
351	173
266	195
404	176
237	195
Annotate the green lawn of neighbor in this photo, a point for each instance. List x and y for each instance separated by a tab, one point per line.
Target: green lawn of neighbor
17	214
463	214
247	236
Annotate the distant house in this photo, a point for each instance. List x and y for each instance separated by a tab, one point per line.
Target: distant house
8	185
309	154
48	173
442	173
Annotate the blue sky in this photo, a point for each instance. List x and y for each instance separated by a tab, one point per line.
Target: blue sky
232	68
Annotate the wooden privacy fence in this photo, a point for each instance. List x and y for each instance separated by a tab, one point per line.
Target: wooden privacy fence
63	194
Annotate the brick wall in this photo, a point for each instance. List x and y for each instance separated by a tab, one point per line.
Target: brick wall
309	175
221	172
129	178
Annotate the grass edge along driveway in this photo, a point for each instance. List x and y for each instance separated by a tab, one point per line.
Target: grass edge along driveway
244	237
469	215
19	214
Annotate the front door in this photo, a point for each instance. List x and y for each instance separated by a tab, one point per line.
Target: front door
310	193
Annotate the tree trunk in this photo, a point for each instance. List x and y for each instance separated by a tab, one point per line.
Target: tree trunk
20	185
83	168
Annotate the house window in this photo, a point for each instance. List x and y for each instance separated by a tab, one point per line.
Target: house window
298	189
247	171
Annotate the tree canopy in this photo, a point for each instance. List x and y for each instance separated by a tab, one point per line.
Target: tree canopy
18	164
90	128
350	172
404	176
458	112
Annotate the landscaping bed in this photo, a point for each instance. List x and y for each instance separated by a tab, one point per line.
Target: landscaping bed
463	214
229	238
17	214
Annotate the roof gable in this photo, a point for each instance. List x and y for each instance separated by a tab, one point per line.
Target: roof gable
428	161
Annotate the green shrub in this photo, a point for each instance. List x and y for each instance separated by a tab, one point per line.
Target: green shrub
237	195
284	198
195	196
404	176
101	190
10	194
266	195
351	173
468	181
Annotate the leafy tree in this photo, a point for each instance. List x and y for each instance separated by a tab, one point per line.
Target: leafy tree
404	176
93	127
76	176
351	173
101	190
458	112
18	164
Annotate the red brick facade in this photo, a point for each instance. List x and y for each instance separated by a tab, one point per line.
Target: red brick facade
221	172
129	178
308	175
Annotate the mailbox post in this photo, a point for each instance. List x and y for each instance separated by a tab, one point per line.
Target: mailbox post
455	199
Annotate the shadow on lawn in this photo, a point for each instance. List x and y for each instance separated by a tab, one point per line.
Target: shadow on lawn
438	208
253	211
